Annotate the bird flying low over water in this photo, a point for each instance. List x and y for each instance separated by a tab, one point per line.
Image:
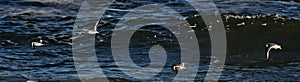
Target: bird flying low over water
34	44
269	47
29	78
178	66
94	30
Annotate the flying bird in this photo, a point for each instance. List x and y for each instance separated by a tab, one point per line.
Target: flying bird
34	44
94	31
269	47
29	78
178	66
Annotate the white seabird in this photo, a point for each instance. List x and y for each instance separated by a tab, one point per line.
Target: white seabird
270	46
94	31
178	66
34	44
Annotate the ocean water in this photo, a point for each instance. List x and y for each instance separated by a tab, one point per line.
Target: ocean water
248	24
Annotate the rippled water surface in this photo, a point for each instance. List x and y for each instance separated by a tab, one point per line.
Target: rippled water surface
249	25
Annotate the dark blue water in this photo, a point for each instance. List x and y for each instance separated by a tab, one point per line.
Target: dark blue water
249	25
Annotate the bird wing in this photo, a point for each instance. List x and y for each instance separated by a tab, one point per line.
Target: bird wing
26	76
175	69
32	45
268	53
95	27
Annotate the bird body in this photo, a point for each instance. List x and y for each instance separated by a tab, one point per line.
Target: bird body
31	81
269	47
178	66
93	32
